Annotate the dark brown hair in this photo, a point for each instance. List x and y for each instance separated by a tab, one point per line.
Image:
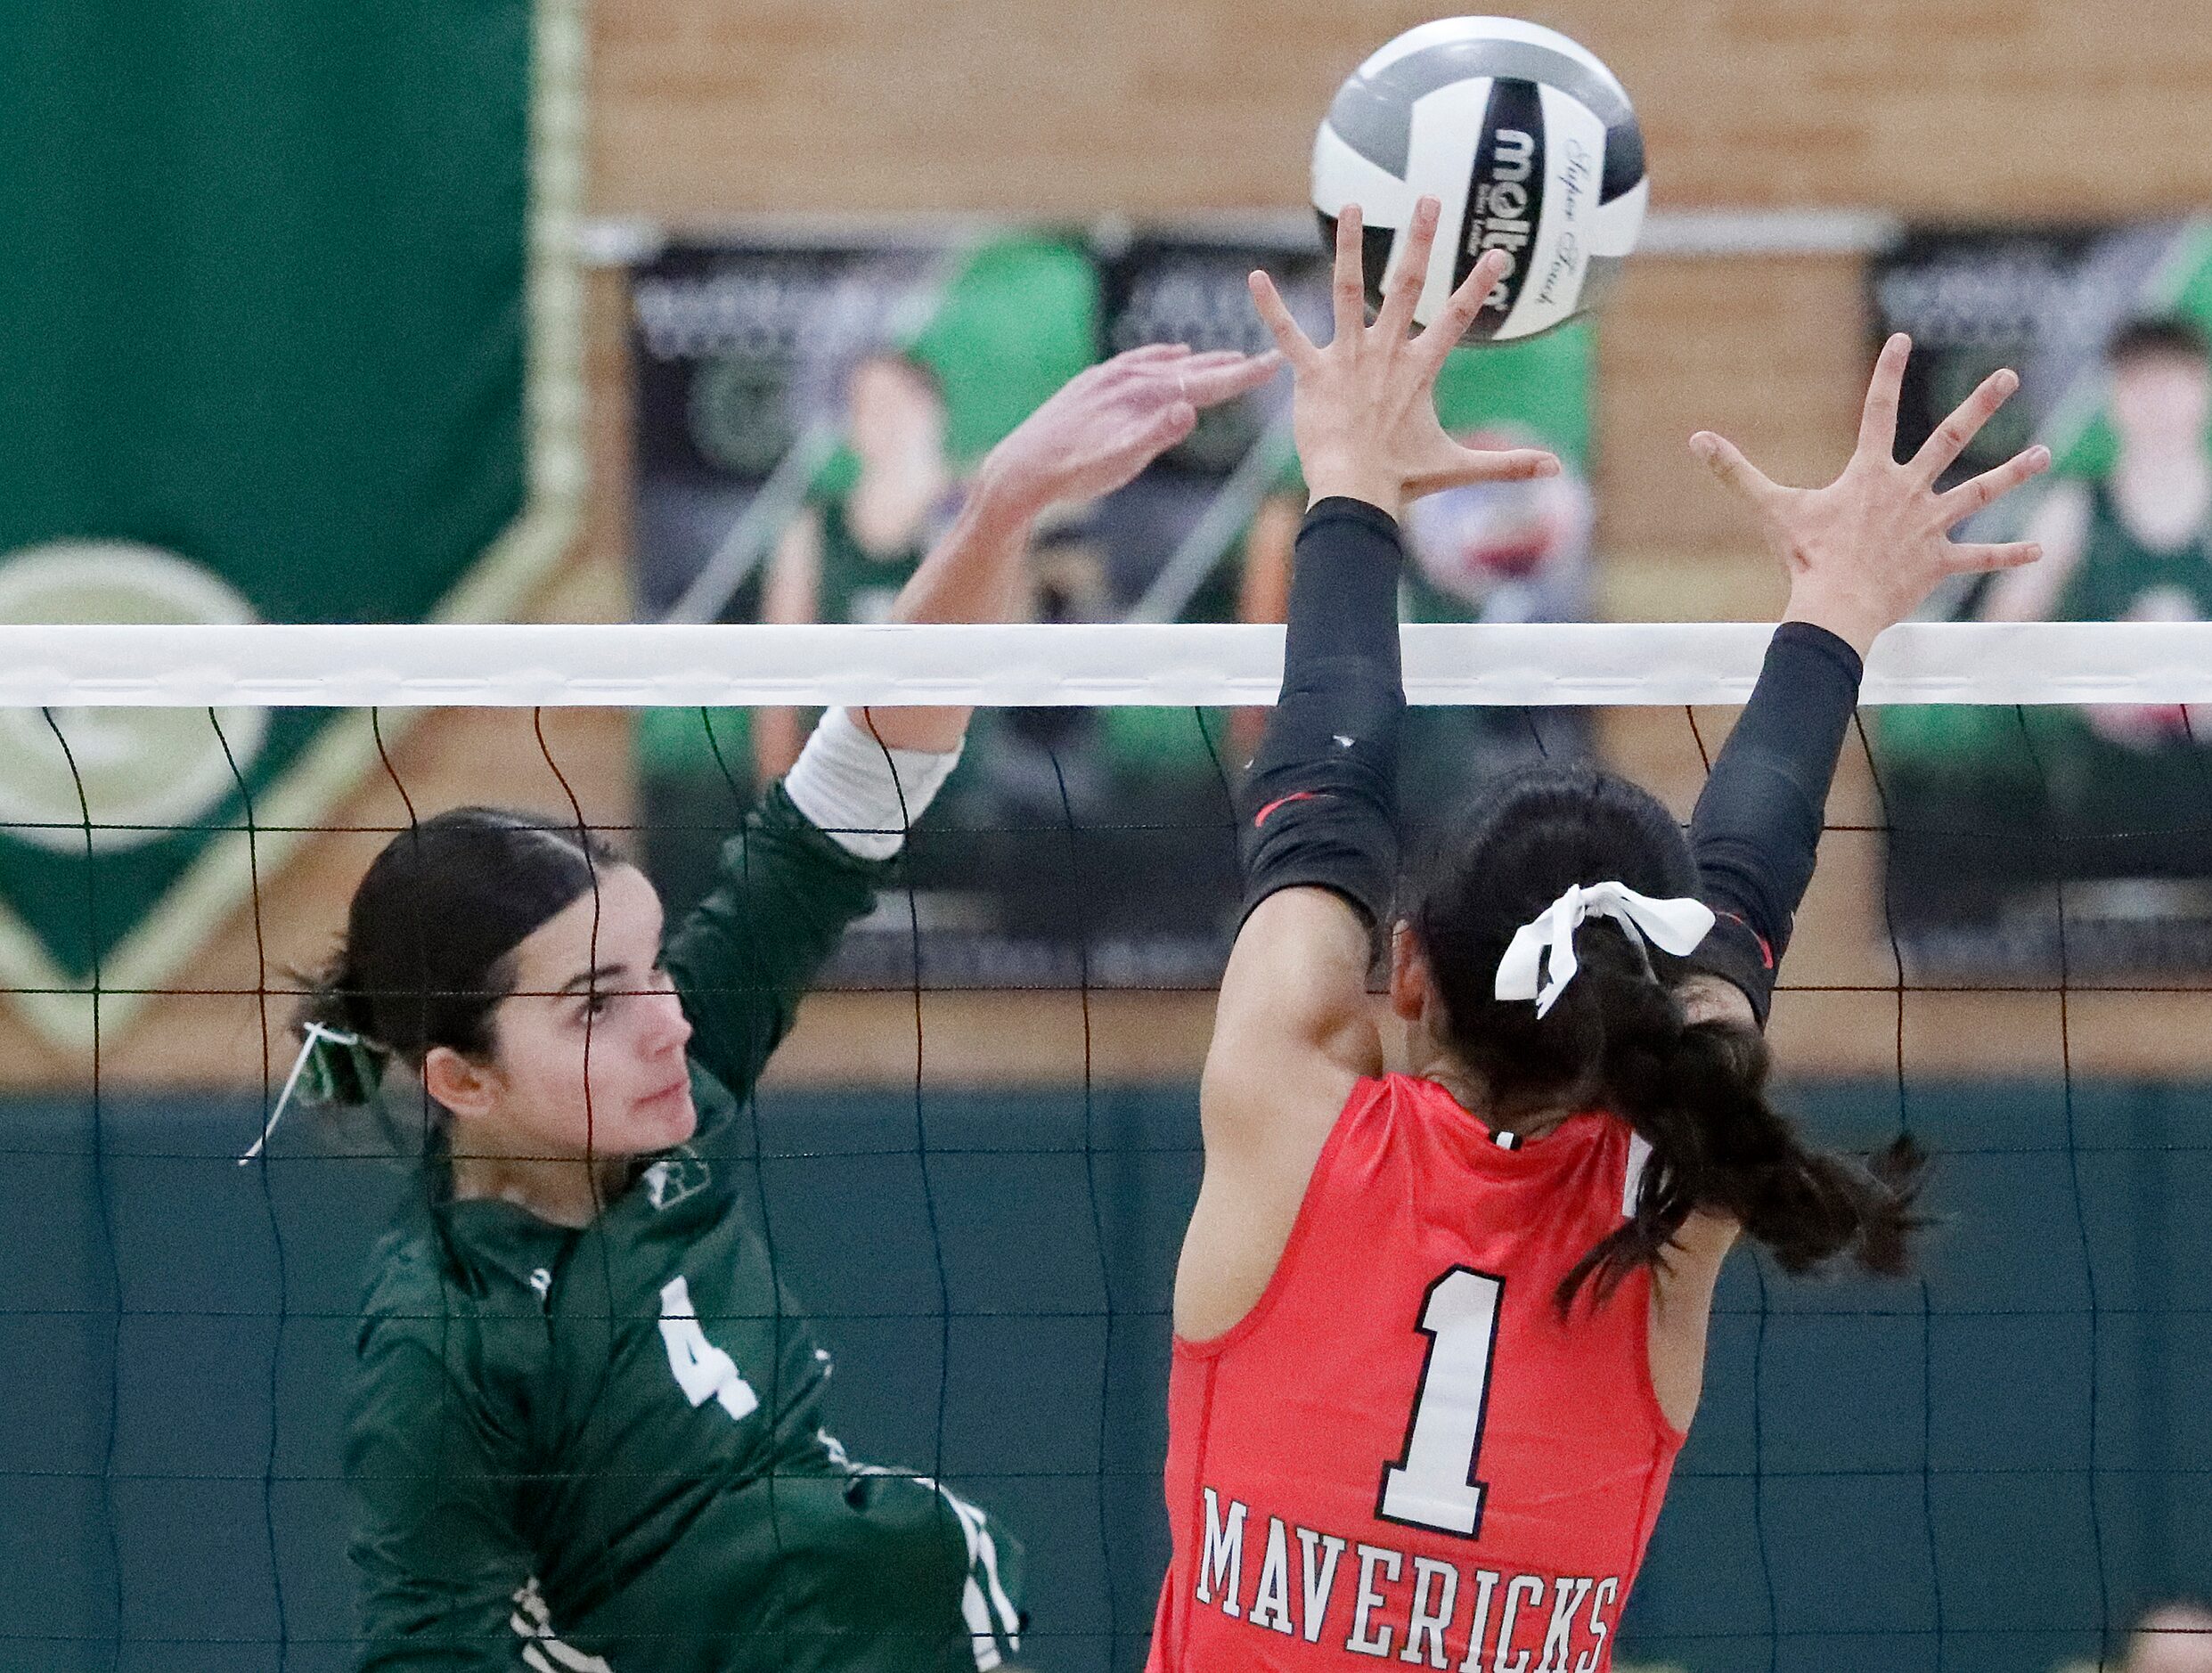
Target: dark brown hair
433	926
1617	1038
2159	336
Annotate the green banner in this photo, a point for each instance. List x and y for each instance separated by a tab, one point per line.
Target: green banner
282	329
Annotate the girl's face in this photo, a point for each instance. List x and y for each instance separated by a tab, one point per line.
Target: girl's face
895	412
2160	401
588	1049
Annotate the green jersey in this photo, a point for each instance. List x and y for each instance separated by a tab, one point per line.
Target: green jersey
2119	571
857	584
2103	786
602	1450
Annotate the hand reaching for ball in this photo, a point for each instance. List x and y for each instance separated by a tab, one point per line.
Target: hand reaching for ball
1107	423
1365	414
1865	551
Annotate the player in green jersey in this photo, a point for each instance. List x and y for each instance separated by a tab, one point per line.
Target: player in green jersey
845	555
2134	544
588	1434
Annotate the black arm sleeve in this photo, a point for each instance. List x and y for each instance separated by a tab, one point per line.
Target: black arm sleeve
1756	831
1319	807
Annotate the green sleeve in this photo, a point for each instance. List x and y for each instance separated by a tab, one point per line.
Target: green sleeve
435	1545
745	957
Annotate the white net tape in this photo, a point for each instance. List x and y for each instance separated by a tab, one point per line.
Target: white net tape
1091	666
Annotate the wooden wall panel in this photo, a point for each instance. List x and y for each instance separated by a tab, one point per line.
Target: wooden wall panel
2047	109
1771	353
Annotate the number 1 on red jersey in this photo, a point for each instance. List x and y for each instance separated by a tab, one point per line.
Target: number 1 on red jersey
1432	1484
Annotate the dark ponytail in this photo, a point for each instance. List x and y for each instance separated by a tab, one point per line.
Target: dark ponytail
1696	1094
1618	1038
430	936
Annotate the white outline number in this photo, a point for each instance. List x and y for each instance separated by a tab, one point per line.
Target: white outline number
704	1371
1432	1484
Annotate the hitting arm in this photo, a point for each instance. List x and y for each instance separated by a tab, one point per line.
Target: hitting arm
748	954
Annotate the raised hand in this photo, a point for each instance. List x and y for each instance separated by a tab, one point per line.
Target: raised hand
1864	552
1099	430
1108	422
1365	418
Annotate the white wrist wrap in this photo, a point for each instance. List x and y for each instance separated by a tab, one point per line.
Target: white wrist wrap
861	794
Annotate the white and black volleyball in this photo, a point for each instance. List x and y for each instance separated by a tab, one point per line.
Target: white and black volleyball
1524	136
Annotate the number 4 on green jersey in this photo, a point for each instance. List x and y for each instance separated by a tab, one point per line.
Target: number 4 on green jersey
702	1371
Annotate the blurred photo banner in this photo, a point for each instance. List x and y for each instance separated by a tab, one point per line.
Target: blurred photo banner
1206	535
2000	816
1177	538
807	414
287	301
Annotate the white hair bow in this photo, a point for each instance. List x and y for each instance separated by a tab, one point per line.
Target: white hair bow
1677	927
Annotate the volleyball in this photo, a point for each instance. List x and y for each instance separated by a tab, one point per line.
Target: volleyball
1528	141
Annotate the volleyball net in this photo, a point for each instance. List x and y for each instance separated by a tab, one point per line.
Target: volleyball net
976	1153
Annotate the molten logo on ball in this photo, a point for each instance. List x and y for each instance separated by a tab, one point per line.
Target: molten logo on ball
1507	199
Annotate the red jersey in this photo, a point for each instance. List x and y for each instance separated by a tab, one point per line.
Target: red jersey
1404	1450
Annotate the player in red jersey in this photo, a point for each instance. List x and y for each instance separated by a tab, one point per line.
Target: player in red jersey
1439	1330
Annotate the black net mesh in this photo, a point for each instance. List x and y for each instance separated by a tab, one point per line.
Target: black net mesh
972	1161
